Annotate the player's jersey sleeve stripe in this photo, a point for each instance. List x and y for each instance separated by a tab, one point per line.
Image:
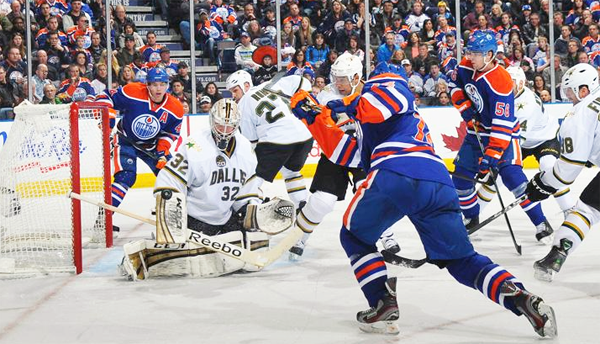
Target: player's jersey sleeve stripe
372	109
175	174
573	162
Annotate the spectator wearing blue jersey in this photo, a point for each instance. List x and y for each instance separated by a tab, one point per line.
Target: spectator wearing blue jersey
386	50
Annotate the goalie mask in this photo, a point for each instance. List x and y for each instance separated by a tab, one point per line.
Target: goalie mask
224	122
343	73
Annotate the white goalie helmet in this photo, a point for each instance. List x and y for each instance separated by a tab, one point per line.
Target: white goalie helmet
581	74
518	76
239	78
346	66
224	119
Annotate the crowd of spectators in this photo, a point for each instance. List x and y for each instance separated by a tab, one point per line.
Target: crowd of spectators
69	59
69	56
417	34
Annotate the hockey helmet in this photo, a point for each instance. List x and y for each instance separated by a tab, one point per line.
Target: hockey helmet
346	65
384	67
239	78
224	119
482	41
157	75
581	74
518	76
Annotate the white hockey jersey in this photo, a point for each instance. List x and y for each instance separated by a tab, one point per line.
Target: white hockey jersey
210	178
266	116
536	126
580	142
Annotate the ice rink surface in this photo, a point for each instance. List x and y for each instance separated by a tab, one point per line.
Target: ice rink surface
310	301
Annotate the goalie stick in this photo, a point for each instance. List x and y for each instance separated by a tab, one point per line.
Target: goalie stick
498	214
197	239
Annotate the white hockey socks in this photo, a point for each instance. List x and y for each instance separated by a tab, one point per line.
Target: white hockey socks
577	224
319	204
294	183
485	195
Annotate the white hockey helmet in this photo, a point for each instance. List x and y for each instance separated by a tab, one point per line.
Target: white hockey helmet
579	75
239	78
346	66
224	119
518	76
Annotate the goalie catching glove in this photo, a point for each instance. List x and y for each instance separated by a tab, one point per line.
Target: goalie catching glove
272	217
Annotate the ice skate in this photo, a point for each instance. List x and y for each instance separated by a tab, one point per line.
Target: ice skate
297	250
546	267
544	233
540	315
472	223
390	244
381	319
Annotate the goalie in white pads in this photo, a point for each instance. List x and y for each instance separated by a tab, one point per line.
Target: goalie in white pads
282	141
200	188
580	145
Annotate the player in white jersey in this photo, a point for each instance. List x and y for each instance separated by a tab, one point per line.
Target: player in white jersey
209	170
282	141
538	137
331	180
580	145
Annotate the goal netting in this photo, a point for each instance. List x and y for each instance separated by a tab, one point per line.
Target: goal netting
51	150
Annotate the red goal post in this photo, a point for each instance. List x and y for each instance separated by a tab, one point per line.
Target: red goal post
50	151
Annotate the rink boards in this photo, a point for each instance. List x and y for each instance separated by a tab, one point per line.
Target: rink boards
445	124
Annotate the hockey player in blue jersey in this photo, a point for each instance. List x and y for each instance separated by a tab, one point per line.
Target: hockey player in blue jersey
484	97
150	123
406	178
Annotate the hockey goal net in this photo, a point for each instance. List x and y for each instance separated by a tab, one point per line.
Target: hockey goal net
51	150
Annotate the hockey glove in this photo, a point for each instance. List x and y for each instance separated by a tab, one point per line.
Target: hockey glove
537	190
305	106
466	109
345	105
488	162
162	152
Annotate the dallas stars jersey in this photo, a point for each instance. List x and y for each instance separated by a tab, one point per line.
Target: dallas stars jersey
266	117
536	126
580	140
211	179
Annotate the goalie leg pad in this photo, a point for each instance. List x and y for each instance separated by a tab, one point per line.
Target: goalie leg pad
272	217
171	216
147	259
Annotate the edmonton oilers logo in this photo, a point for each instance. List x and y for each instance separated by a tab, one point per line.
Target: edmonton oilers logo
220	161
145	127
475	97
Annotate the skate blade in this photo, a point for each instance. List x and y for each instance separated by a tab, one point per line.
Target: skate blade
550	328
381	327
293	257
543	275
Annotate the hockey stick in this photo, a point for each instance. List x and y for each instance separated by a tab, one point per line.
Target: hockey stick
395	259
498	214
512	234
258	258
136	146
460	176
